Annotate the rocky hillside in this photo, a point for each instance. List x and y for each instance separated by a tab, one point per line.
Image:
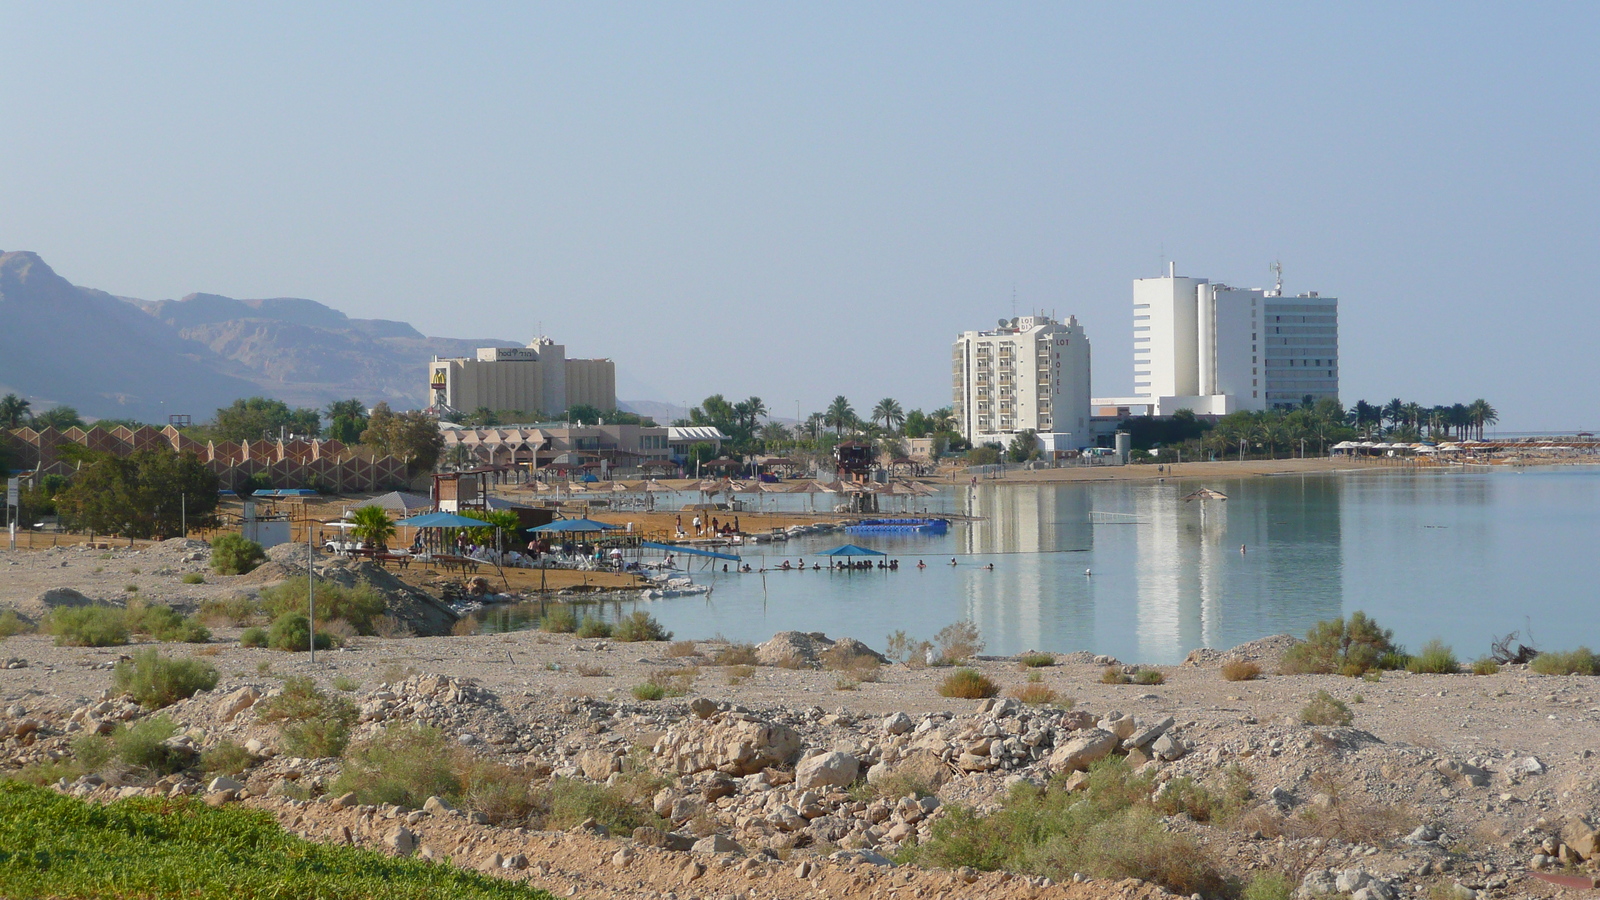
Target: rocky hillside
116	357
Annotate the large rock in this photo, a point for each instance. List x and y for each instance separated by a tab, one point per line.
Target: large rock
34	611
598	765
733	744
1082	751
898	723
826	770
236	702
792	650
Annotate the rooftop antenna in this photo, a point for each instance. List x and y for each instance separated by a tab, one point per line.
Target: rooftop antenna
1277	275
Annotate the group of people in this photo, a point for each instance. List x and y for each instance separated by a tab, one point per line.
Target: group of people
713	527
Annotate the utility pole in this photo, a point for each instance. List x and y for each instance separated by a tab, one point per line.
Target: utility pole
311	588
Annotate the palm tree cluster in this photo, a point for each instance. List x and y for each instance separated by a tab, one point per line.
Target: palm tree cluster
1413	421
15	413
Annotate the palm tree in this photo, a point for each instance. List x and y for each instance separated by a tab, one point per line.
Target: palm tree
840	415
1482	414
815	423
13	410
889	413
942	419
1394	411
372	526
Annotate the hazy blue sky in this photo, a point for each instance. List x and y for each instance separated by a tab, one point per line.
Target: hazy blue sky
804	200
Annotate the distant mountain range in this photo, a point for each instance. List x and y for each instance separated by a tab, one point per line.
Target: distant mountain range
116	357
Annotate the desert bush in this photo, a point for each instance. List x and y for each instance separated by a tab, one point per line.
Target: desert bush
958	642
1114	675
292	632
314	724
346	683
897	785
466	626
648	690
680	649
640	626
1036	660
1435	658
404	764
87	626
559	620
163	623
141	745
156	681
738	674
594	628
1240	670
1110	830
1035	694
232	554
1346	647
1149	676
568	802
225	758
968	684
193	578
503	793
130	588
735	655
1483	665
1326	709
235	610
11	623
392	627
854	666
590	670
1568	662
357	605
914	654
1268	886
254	636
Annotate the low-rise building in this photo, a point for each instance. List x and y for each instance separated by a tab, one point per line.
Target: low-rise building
537	379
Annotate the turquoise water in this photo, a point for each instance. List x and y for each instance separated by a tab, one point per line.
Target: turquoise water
1462	557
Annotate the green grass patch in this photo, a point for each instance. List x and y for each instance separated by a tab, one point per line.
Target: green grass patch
1435	658
193	578
61	847
968	684
1036	660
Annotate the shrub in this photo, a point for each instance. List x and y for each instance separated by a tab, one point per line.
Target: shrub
466	626
193	578
1435	658
680	649
1570	662
736	655
232	554
1035	694
958	642
292	632
641	626
404	764
649	690
11	623
387	626
590	670
156	681
142	745
1109	831
130	588
559	620
315	725
357	605
1483	665
1326	709
225	758
87	626
163	623
1113	675
1149	676
569	802
1268	886
738	674
1240	670
235	610
346	683
1349	648
594	628
913	653
1036	660
254	636
968	684
503	793
856	666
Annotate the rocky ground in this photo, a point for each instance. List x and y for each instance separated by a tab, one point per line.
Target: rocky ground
1441	785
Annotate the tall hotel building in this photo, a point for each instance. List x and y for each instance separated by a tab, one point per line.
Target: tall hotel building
1215	349
1029	374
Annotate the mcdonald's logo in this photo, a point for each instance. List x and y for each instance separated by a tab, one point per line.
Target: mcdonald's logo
438	379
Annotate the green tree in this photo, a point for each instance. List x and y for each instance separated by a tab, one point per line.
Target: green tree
1481	414
60	418
698	454
840	415
146	494
346	420
917	424
262	418
503	521
373	527
583	412
1023	447
482	417
889	413
411	436
13	411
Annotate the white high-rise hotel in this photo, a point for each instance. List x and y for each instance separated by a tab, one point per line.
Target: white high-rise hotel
1216	349
1029	374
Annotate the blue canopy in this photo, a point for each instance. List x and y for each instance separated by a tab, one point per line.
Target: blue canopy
442	520
852	550
287	492
691	551
575	525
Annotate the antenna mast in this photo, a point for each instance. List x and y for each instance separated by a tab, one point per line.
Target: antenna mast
1277	275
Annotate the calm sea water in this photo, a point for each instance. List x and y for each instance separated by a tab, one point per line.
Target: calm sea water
1462	557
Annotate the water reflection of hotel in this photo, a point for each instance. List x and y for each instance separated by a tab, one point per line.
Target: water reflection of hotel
1196	589
1032	535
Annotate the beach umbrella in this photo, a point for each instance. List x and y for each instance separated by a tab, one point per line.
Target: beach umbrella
442	520
852	550
575	526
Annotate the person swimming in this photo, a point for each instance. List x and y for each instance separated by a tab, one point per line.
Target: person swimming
952	560
921	564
